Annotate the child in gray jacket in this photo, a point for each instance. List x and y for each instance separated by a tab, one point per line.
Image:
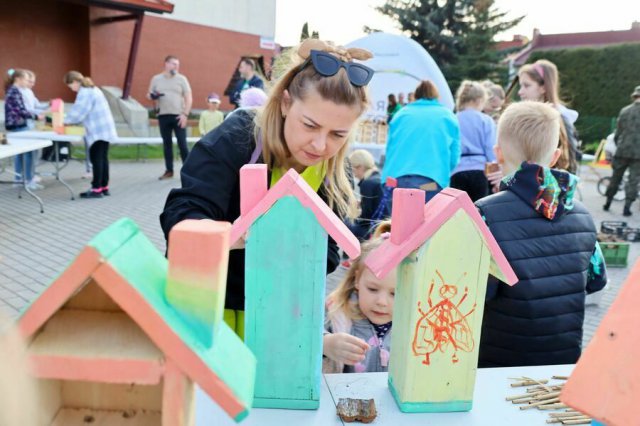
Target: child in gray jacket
359	312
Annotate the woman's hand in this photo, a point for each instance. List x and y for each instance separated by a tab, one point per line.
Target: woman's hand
344	348
494	179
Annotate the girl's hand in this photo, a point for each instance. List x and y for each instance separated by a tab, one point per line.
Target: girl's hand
344	348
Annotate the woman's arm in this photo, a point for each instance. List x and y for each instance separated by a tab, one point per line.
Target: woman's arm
81	107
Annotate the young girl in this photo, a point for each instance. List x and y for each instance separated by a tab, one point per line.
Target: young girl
359	312
477	138
540	82
304	125
17	118
365	170
92	110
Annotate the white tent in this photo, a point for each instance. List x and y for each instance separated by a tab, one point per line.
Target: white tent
400	64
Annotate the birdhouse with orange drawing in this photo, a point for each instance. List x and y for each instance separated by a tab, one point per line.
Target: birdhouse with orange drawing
444	253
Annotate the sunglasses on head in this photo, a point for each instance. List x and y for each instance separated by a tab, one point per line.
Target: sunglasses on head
327	65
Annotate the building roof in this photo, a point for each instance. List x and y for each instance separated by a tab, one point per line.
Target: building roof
413	225
253	187
155	6
605	383
575	40
133	273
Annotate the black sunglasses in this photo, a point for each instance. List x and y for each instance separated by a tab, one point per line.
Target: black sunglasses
327	65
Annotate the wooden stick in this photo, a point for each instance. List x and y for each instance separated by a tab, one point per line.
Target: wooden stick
526	395
567	413
581	417
551	406
554	420
529	382
560	377
577	422
549	395
539	404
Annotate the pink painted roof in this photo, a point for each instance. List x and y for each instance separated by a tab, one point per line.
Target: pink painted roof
291	184
436	212
605	383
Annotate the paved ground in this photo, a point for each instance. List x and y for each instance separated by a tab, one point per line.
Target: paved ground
35	247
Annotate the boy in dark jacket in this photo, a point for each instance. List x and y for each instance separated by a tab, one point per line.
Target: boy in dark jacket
550	241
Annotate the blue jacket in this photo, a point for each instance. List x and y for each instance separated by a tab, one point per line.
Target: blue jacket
424	140
550	242
243	84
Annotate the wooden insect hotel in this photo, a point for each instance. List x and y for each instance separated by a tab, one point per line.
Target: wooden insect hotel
122	335
444	254
285	275
605	383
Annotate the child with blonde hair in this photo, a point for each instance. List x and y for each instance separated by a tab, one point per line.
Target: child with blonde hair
548	238
371	210
359	312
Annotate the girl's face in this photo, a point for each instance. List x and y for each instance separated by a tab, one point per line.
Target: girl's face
375	297
315	129
358	171
75	86
21	82
530	90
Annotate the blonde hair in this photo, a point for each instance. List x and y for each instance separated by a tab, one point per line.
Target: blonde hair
493	90
470	92
545	73
270	123
12	76
340	298
529	131
361	157
73	76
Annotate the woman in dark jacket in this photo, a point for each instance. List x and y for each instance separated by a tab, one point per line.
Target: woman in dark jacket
304	125
371	209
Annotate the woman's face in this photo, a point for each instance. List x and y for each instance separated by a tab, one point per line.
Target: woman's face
315	129
530	90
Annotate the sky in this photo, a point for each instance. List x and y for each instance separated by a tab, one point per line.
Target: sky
342	21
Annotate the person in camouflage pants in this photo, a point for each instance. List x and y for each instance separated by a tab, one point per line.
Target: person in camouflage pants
627	154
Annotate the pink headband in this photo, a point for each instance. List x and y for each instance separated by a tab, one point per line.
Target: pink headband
539	70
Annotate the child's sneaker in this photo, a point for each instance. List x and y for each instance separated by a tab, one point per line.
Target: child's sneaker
32	186
92	193
105	191
36	179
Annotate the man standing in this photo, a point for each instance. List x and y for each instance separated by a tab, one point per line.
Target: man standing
248	78
627	139
172	94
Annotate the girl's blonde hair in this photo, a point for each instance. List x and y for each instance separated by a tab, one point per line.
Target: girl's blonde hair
340	298
361	157
73	76
470	92
270	123
12	75
545	73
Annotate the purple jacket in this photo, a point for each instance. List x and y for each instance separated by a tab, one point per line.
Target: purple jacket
15	113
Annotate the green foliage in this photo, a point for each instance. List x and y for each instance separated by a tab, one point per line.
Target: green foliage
304	34
595	82
458	35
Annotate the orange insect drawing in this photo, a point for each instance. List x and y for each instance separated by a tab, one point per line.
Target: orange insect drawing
443	325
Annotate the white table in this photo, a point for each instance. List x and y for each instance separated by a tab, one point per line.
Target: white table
22	146
489	405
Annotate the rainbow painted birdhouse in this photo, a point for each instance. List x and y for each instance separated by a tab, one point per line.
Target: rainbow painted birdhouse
122	335
444	254
605	383
287	230
57	115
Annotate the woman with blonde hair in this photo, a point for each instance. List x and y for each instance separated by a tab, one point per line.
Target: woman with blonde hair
92	110
477	138
365	170
540	82
305	125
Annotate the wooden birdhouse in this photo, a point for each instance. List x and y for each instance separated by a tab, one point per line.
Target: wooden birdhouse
285	275
605	383
57	115
122	335
444	254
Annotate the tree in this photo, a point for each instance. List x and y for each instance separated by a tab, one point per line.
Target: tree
458	34
305	32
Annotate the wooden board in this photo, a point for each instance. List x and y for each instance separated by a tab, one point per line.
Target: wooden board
91	297
95	346
178	401
99	396
80	417
286	256
457	254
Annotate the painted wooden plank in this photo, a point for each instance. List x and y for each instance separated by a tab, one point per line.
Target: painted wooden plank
178	402
57	115
407	215
90	297
292	184
54	296
436	213
197	277
284	299
605	383
101	396
253	186
439	305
